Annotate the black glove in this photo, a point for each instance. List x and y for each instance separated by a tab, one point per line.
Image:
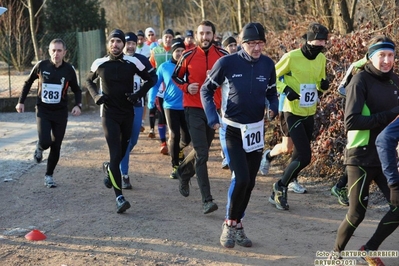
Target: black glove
99	99
394	194
324	84
290	94
132	97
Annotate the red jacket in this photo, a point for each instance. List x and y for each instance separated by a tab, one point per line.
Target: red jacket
191	68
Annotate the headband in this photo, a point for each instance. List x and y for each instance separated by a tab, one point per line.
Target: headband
380	46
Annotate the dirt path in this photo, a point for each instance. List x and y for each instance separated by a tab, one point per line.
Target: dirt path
162	227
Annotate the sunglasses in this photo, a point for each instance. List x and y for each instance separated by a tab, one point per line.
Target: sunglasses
150	34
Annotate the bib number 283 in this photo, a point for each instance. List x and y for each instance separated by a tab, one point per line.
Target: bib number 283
51	93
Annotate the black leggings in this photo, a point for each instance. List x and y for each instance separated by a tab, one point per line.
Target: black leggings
51	131
179	137
244	168
359	179
117	132
300	130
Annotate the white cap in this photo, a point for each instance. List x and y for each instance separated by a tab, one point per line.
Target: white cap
147	30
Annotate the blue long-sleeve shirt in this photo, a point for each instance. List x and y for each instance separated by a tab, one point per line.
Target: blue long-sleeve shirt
245	83
173	96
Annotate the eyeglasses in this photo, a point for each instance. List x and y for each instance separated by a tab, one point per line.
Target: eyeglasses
150	34
254	44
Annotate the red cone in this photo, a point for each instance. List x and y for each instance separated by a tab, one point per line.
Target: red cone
35	235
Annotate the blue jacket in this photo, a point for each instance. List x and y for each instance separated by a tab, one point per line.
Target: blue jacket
173	96
245	84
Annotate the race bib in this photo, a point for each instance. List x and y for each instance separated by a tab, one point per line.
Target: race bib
137	83
308	95
51	93
252	136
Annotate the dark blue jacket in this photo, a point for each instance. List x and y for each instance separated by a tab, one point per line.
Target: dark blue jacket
246	84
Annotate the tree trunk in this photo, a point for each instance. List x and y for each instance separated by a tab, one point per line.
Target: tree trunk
239	14
161	16
343	21
33	30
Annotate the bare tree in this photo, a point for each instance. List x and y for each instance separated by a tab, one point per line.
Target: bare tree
32	24
200	5
15	27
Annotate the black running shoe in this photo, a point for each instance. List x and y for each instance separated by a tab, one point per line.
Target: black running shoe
279	197
209	207
38	155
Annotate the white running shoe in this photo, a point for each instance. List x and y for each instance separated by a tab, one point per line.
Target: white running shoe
294	186
264	164
49	181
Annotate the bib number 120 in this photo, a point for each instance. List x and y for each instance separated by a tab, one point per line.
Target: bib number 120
253	138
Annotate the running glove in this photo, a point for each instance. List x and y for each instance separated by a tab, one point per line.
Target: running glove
99	99
324	84
394	194
290	93
132	97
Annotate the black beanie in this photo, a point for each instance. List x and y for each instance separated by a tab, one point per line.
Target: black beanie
252	32
228	40
316	31
168	31
189	33
140	33
177	43
130	36
116	33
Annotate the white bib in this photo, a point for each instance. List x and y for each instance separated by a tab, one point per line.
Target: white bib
51	93
308	95
252	136
137	83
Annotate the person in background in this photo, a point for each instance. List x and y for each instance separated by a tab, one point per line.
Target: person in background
189	40
179	137
130	48
303	77
151	37
386	144
55	77
242	122
144	49
159	55
142	46
111	84
340	189
371	104
189	75
230	44
217	40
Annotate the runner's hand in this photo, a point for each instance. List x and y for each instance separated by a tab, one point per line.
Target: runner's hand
291	94
99	99
132	97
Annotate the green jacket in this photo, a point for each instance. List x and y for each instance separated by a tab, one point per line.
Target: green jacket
299	72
